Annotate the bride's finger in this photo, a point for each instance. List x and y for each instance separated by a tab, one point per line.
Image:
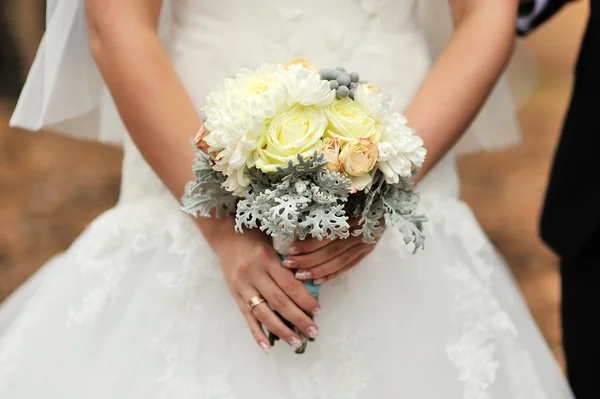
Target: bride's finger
265	315
343	270
323	255
255	328
280	302
294	289
309	245
312	244
339	263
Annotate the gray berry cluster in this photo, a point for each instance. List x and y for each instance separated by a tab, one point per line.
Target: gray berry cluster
341	81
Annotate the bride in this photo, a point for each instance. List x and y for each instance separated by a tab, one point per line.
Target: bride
148	303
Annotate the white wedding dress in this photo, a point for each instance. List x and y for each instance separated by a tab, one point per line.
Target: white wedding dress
138	308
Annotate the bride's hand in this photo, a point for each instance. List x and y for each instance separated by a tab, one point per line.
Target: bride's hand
251	268
324	260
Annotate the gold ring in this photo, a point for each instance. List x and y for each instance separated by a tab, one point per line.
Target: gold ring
255	301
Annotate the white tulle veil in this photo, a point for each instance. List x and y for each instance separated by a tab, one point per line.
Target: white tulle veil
496	126
64	91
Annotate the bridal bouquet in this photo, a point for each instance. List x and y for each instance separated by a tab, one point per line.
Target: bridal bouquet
296	151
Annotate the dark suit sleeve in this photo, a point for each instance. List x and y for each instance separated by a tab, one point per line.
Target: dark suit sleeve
551	8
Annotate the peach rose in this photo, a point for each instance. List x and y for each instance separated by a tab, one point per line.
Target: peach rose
358	159
369	88
302	61
199	139
331	151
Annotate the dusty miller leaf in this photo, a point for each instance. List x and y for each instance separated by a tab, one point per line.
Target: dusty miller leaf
206	192
250	211
326	222
332	187
370	221
304	167
284	216
401	213
302	199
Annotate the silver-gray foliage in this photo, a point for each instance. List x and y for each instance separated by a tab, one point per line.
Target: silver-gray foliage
397	206
206	192
400	211
371	215
304	199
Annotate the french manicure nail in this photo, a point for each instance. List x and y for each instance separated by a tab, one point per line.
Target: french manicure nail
265	347
290	264
316	310
312	332
295	342
318	281
303	275
293	251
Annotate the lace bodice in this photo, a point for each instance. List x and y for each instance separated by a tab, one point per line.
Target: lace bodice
209	41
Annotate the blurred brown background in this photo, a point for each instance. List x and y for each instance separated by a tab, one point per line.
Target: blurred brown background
51	187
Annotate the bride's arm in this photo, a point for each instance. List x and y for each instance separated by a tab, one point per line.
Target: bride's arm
151	100
464	75
447	102
161	118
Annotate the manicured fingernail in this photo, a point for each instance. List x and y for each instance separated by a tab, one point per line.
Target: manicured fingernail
290	264
295	342
318	281
265	347
312	332
303	275
316	310
293	251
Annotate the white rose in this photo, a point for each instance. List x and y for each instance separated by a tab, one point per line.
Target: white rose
298	130
350	121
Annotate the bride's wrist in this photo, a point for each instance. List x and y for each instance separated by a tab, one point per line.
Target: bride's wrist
218	233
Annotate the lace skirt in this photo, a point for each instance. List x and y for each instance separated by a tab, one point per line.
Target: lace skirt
137	308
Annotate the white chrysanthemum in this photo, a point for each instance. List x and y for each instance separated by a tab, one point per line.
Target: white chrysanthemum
235	117
400	150
376	102
257	92
238	113
305	86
